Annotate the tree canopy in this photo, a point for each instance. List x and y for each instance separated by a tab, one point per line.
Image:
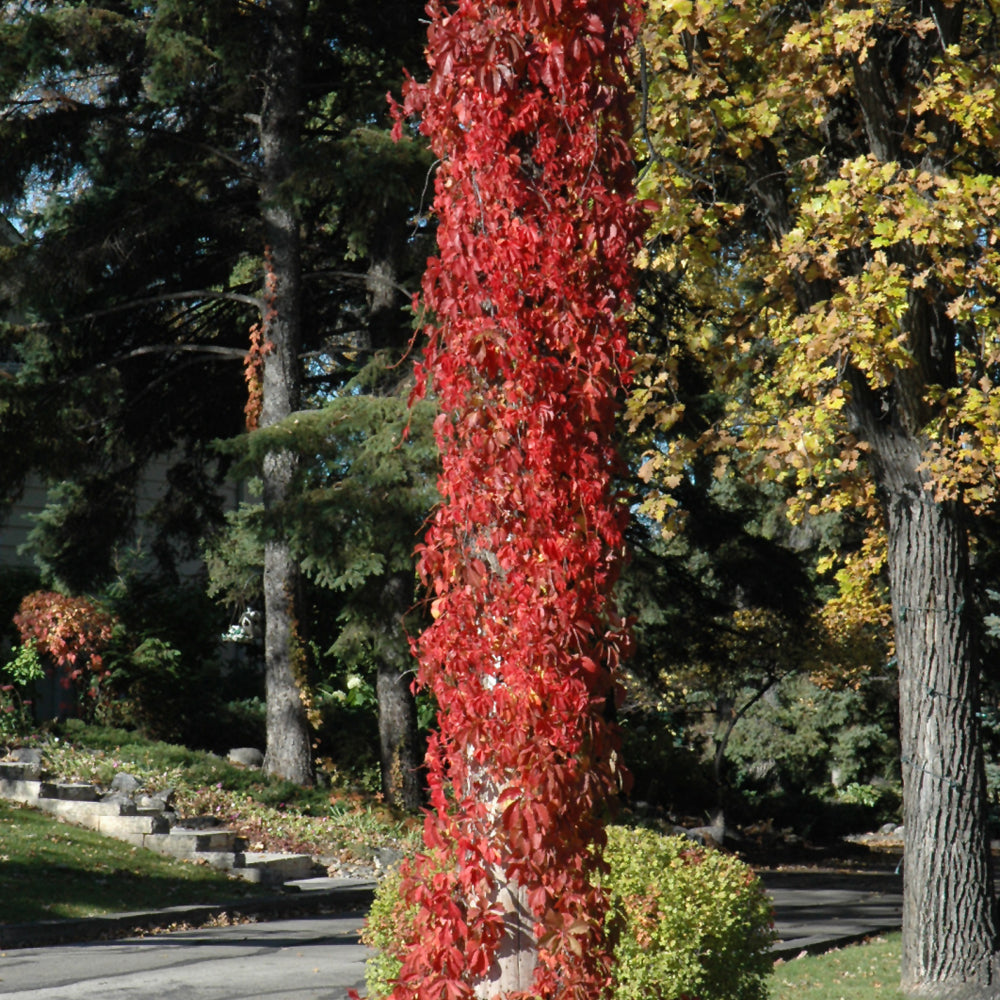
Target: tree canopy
170	199
131	168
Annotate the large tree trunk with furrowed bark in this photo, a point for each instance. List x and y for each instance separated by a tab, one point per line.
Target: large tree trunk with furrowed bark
949	938
947	898
288	752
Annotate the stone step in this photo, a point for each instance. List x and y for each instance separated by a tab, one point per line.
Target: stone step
166	844
117	826
69	791
86	813
324	883
13	770
271	868
20	790
150	828
182	842
108	818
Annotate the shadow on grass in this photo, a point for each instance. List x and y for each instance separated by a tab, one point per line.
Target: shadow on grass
51	870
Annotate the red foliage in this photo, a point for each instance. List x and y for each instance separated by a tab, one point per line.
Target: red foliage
527	109
253	363
71	631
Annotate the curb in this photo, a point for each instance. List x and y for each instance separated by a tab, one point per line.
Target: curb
785	951
119	925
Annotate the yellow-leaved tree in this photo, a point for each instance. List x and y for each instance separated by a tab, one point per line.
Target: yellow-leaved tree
827	176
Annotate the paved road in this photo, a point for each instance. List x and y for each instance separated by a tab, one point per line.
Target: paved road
817	910
310	958
319	957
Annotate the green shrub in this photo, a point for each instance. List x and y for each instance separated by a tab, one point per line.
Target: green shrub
165	673
690	921
17	677
687	921
384	930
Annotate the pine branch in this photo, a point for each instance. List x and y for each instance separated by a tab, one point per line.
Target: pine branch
251	300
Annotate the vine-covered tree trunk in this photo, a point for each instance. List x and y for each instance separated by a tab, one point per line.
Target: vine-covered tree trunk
527	110
949	936
288	752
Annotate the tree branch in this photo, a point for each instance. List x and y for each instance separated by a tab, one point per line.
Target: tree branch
361	277
225	352
250	300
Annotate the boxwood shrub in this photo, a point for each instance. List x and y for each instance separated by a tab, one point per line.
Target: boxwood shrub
688	922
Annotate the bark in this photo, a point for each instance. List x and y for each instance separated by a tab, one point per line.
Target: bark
949	933
397	709
400	752
381	283
512	971
513	968
949	938
288	752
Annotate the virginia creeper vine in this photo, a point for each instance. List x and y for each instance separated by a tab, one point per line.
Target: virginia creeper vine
526	108
253	363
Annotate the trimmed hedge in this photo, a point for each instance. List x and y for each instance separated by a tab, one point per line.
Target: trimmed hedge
688	922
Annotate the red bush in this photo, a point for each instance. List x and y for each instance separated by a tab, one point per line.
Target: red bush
72	632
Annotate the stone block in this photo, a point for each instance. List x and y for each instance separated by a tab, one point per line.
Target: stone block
273	869
223	860
115	826
11	770
69	791
20	790
71	812
183	843
74	811
125	782
135	839
247	756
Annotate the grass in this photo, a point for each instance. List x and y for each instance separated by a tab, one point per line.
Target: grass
51	870
860	972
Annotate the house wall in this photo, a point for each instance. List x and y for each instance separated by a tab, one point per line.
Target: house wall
152	485
15	527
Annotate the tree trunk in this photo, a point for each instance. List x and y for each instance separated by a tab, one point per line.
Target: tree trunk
400	754
513	968
512	971
288	744
385	328
948	930
397	707
289	752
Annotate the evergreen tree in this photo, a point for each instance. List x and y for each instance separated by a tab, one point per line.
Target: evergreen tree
155	152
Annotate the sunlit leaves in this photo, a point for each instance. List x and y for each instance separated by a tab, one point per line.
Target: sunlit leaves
830	218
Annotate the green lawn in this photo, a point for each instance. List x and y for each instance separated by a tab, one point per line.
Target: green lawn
860	972
51	870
